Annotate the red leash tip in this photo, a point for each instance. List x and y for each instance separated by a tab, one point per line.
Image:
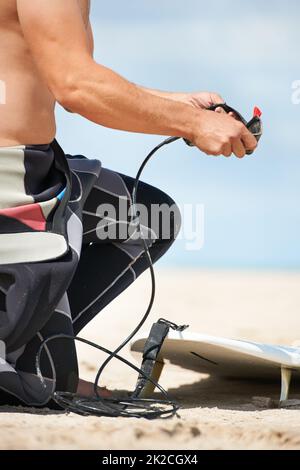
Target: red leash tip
257	112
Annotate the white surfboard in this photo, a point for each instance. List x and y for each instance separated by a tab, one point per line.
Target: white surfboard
226	357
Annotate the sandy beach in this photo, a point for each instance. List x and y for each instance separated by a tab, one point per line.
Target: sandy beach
215	414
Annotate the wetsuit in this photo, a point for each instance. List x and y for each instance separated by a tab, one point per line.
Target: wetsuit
57	268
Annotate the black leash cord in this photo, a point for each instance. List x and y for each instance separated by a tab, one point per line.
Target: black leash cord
131	407
148	256
116	407
107	406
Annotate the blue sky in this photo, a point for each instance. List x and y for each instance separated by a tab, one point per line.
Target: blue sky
248	52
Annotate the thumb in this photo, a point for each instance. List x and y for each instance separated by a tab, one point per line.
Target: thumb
248	139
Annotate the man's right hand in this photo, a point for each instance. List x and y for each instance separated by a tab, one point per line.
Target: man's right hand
221	134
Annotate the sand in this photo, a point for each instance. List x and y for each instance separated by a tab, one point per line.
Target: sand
216	414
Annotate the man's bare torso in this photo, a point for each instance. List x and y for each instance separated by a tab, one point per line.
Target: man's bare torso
26	105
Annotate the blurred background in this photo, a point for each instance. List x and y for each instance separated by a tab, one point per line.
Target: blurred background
247	52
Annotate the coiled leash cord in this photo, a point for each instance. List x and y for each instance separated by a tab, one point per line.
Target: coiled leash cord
134	406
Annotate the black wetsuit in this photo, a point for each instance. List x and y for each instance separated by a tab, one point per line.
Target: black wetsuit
57	270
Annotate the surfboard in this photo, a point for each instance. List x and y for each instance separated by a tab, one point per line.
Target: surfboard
228	358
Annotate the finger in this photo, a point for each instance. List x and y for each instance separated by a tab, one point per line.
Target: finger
238	148
248	139
215	98
227	150
220	110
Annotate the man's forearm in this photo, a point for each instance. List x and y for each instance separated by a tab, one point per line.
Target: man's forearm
104	97
175	96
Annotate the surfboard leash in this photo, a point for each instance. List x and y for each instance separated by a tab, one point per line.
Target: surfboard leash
136	405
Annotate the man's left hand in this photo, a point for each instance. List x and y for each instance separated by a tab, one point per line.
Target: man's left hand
201	100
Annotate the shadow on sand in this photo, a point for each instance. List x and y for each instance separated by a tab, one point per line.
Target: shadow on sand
210	392
229	394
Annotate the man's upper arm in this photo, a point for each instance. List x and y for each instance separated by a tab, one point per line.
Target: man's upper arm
56	35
